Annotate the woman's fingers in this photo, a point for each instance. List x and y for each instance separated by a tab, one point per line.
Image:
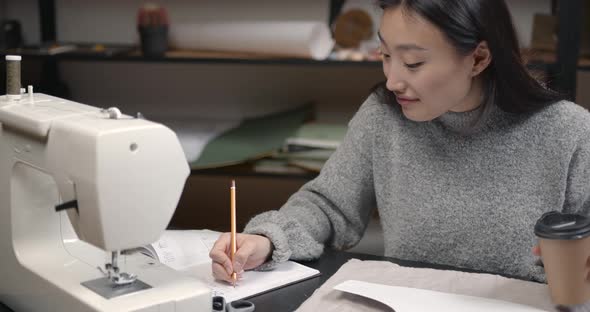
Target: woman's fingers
252	251
220	273
245	250
537	251
218	253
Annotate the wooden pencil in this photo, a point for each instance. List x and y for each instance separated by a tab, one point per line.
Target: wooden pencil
233	227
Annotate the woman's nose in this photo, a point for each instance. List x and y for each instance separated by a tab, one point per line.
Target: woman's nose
395	84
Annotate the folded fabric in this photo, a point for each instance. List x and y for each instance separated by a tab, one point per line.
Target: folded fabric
473	284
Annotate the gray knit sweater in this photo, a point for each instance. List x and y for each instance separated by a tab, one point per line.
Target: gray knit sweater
444	196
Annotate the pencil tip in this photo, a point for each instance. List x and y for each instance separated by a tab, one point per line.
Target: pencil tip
233	183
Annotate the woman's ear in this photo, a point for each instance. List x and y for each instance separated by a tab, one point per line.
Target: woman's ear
482	57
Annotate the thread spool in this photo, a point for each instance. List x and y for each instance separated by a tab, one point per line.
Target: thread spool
13	79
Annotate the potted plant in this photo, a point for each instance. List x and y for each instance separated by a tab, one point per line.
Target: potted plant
152	25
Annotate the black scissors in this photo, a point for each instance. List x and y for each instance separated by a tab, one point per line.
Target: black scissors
219	305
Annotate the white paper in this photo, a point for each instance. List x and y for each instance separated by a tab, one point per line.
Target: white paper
195	134
252	282
289	38
405	299
185	248
188	251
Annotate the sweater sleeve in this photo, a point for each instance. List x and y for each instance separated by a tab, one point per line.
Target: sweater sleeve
335	207
577	195
577	199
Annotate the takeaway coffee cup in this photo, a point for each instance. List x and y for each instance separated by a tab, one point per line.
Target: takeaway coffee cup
564	240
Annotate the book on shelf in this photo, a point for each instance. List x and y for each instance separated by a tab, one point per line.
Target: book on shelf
316	136
294	162
307	149
187	251
308	164
277	166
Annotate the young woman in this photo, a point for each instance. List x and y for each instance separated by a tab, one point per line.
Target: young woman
460	150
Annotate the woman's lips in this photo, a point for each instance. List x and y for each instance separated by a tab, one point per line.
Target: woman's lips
406	101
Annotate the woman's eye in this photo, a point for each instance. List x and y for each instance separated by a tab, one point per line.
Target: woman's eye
413	65
384	54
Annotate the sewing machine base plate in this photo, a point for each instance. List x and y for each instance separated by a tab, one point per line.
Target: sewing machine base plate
104	287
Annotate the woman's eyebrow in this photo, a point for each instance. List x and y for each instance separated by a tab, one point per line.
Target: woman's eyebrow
381	40
402	47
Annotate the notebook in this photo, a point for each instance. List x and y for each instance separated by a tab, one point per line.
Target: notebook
188	251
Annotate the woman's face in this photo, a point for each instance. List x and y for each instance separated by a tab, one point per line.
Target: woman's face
425	72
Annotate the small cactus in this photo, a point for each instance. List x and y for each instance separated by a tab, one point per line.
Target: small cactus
152	25
152	15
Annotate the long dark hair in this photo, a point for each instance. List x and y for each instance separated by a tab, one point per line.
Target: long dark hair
466	23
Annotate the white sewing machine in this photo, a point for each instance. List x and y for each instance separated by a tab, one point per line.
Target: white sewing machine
78	185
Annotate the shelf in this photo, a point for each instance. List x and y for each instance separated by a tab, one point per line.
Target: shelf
129	54
570	13
537	57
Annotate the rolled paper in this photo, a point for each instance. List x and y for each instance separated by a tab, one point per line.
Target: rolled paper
304	39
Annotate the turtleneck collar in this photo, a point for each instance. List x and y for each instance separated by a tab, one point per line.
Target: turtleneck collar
467	122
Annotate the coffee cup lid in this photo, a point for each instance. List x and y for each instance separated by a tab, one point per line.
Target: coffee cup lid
557	225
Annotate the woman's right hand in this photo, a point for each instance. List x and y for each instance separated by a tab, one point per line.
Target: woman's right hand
251	252
536	251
